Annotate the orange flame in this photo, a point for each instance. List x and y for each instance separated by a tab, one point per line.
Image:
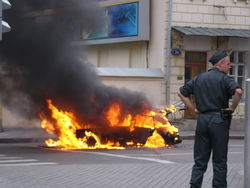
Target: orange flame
155	141
65	125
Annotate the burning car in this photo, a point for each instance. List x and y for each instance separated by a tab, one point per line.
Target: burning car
148	129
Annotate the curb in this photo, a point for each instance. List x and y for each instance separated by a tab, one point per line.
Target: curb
22	140
191	137
41	140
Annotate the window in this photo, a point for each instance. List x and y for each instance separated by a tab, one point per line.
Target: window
238	61
198	57
122	21
125	21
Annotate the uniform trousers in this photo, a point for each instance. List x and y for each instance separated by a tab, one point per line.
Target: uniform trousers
211	136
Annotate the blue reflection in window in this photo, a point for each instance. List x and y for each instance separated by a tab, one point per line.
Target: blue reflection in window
123	20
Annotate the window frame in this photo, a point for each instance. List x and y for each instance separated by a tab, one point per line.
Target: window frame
236	64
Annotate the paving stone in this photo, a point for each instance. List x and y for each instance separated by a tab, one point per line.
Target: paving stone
149	175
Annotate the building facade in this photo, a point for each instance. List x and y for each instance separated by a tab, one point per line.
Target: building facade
171	44
183	35
137	65
199	28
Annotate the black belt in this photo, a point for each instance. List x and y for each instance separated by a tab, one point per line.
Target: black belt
210	111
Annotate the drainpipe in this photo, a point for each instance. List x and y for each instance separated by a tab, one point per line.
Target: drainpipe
247	137
167	59
1	118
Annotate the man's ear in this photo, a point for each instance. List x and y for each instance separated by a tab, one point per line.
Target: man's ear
219	64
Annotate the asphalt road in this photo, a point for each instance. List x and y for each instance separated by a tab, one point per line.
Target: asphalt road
28	165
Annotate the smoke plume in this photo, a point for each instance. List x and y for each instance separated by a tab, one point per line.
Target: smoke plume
39	62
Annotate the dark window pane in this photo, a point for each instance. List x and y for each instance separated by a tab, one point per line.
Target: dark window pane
232	57
241	57
241	70
240	81
187	74
195	57
199	70
201	57
232	70
188	57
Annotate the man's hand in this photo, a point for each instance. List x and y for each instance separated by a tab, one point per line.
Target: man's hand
196	111
187	102
236	98
228	109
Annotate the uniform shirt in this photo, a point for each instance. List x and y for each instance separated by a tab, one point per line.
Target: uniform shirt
212	90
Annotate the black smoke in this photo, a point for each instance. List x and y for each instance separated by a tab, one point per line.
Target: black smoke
39	62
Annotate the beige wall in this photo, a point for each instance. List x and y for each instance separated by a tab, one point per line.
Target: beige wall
151	87
122	55
157	43
212	13
137	55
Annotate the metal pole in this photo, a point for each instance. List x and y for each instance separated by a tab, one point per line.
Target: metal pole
168	62
247	137
1	118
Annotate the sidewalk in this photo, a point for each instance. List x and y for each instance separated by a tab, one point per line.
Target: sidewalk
16	135
232	135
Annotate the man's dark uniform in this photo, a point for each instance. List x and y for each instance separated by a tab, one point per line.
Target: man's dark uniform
212	91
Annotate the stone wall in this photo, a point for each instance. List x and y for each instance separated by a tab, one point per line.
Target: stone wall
212	13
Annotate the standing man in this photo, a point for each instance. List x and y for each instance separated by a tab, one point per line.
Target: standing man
212	91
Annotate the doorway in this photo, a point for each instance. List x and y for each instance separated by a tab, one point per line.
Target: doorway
195	63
